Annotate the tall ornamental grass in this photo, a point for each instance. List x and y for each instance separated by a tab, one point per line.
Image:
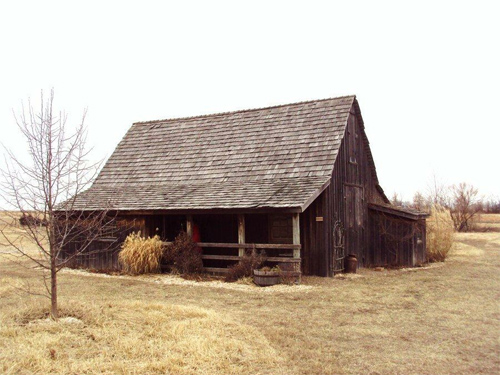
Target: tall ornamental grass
440	234
141	255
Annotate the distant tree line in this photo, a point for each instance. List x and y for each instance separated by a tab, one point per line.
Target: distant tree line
462	201
490	206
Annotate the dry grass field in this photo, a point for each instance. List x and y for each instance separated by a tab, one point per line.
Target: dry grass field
441	319
489	222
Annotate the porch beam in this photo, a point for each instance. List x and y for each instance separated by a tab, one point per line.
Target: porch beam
296	235
189	225
241	234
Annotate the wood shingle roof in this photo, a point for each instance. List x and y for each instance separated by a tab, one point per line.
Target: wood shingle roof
276	157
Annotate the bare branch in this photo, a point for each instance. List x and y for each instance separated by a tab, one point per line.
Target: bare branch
43	189
464	206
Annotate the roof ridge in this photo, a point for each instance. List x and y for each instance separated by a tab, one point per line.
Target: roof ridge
241	110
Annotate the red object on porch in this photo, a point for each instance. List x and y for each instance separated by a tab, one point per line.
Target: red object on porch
196	236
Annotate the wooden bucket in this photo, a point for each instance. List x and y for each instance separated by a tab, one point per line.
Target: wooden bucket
266	278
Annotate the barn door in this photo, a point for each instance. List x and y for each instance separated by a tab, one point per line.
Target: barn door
354	221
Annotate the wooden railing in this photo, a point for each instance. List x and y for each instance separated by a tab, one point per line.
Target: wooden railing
245	245
283	259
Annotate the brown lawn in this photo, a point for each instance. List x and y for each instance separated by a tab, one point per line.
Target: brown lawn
489	222
442	319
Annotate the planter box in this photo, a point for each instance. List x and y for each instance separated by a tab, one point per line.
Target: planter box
266	278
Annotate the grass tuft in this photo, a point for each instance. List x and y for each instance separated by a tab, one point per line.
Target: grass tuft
440	234
141	255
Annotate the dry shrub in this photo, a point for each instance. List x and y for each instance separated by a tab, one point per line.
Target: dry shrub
288	274
141	255
183	255
29	219
245	267
440	233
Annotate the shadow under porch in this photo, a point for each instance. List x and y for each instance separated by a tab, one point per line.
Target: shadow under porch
226	238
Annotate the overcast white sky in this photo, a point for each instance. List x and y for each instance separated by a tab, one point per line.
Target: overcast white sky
426	74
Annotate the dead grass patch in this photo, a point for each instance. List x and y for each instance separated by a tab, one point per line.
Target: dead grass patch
172	339
245	284
466	250
487	223
440	319
35	311
489	218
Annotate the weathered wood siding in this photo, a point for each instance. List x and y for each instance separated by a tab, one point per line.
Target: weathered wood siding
102	253
343	204
344	201
396	242
314	237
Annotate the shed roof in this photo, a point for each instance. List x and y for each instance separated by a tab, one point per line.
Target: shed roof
406	212
275	157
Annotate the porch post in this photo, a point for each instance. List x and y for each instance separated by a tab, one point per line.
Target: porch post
189	225
241	233
296	235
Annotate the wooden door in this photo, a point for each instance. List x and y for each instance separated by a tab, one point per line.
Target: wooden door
354	221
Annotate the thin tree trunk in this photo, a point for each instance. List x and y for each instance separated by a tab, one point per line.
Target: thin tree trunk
53	288
57	171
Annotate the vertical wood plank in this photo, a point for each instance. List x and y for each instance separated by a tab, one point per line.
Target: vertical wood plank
296	234
189	225
241	233
312	239
319	237
327	229
141	225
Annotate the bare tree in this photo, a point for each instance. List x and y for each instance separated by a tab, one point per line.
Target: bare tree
492	205
396	199
464	206
419	202
44	187
437	193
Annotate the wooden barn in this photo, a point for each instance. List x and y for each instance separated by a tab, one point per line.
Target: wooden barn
295	180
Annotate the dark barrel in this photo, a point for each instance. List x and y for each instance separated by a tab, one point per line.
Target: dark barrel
351	264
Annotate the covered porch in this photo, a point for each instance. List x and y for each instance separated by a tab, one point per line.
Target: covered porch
226	237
